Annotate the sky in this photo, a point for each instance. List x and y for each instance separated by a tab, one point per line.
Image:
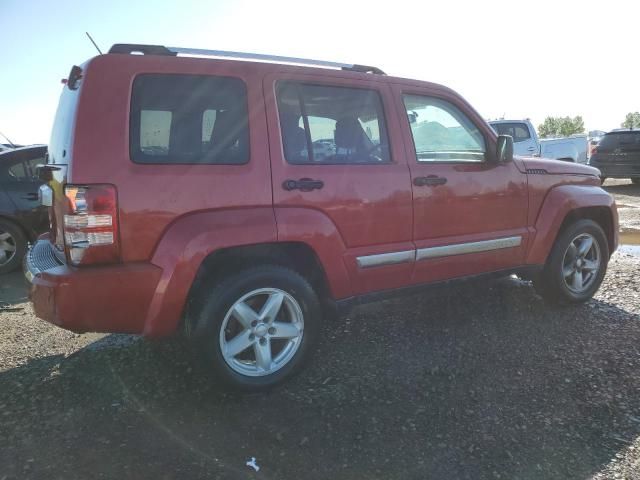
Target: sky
508	59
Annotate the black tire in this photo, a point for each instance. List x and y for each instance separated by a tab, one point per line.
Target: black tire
635	181
551	284
16	239
602	180
213	300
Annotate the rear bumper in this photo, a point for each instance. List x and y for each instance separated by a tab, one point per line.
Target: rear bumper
112	298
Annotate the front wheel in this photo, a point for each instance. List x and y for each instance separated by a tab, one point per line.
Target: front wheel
256	328
576	266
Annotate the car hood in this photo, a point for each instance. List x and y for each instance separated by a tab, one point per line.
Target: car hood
558	167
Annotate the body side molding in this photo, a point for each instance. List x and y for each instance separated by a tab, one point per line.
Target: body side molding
471	247
390	258
407	256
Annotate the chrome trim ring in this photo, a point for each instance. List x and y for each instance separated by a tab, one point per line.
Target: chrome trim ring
261	332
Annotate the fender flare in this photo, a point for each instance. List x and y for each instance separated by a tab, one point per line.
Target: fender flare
190	239
183	247
559	202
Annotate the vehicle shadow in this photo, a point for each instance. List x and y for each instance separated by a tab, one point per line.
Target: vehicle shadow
14	288
625	189
476	381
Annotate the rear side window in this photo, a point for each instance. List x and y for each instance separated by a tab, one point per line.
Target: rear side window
623	141
518	131
331	125
21	166
193	119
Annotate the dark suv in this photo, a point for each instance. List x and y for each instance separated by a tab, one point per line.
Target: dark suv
618	155
240	202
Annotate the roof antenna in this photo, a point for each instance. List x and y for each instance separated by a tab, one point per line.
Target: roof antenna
13	145
94	43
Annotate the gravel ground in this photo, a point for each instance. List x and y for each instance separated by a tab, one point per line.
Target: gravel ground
476	381
628	200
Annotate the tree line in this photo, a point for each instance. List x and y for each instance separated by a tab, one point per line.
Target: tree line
566	126
632	120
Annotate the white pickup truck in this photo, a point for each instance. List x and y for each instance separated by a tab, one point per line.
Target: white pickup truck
526	143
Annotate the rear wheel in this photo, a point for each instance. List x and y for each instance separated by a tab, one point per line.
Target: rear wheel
576	266
256	328
13	245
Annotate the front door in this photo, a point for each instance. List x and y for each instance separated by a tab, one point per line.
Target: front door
337	174
470	212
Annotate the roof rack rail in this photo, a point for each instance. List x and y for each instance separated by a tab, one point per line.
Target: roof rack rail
127	48
131	48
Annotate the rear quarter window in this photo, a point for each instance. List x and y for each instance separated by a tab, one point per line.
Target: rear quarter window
188	119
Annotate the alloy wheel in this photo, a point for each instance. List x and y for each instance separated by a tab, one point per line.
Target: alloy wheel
261	332
7	247
581	263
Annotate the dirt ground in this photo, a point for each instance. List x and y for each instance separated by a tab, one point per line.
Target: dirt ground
472	382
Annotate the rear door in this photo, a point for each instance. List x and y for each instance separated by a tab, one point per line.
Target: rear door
19	179
334	160
470	212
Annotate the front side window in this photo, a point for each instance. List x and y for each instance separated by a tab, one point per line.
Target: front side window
518	131
189	119
335	125
441	132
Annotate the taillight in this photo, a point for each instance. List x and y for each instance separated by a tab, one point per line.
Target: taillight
91	224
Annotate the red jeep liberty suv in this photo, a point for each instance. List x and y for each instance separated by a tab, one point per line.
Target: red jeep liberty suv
241	200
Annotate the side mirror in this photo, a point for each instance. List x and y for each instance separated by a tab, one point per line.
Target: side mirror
504	149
